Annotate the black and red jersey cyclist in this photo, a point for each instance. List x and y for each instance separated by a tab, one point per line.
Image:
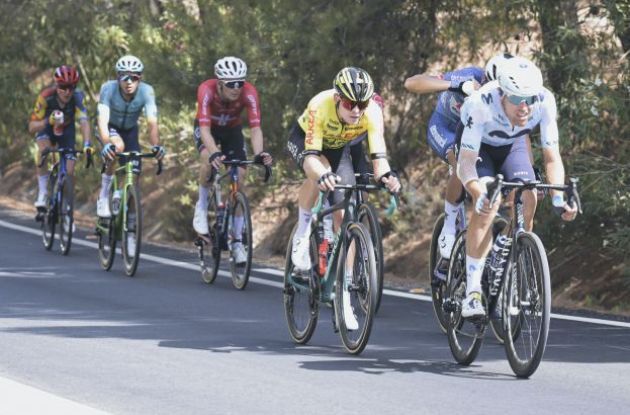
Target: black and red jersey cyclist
218	132
52	121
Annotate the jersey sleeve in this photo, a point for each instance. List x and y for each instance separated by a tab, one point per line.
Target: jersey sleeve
80	112
375	130
204	98
39	110
548	125
150	106
473	117
252	103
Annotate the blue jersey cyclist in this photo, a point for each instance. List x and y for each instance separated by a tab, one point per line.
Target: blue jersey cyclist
453	87
497	119
52	121
120	105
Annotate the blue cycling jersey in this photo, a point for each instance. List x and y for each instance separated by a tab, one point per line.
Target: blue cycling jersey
124	114
449	103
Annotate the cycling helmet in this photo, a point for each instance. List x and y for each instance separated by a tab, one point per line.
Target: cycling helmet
66	75
354	84
230	68
129	63
520	77
494	64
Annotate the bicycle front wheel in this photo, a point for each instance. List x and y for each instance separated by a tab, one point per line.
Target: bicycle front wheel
528	305
240	227
132	231
301	298
211	253
356	288
438	285
366	214
106	242
50	218
66	215
464	336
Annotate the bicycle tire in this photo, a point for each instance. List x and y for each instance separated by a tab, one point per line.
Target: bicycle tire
497	326
132	227
438	286
301	299
50	217
363	288
464	336
529	295
207	261
240	274
66	216
366	214
107	244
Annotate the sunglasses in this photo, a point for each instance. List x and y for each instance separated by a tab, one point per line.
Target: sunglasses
234	84
66	87
349	105
129	77
515	100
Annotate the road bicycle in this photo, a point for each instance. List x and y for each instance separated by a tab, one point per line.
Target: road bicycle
348	282
517	294
125	223
59	209
221	235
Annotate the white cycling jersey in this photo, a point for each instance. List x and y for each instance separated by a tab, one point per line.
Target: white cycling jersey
485	121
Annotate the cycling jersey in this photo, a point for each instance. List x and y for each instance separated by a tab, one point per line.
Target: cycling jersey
485	121
124	114
47	102
213	111
449	102
324	129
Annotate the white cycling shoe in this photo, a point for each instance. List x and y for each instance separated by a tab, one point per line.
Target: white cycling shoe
300	255
102	208
348	313
238	252
472	307
41	200
200	220
445	243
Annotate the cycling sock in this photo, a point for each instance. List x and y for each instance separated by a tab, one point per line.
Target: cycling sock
450	216
304	222
106	181
203	196
474	269
237	226
42	181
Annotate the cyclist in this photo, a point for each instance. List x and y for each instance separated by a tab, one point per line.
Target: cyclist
319	143
119	107
453	87
218	134
496	121
53	122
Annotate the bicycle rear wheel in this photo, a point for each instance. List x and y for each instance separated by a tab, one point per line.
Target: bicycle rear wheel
464	336
356	288
50	217
132	231
438	285
366	214
66	215
301	298
528	305
240	272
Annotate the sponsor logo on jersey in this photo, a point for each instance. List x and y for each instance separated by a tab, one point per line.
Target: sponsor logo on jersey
437	137
310	124
486	98
503	134
469	122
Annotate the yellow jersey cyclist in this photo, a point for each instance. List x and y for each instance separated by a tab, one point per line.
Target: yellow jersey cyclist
497	119
120	105
52	121
320	144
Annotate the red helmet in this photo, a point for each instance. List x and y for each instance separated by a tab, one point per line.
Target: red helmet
66	75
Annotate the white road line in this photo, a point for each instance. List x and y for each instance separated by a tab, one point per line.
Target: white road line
271	271
18	398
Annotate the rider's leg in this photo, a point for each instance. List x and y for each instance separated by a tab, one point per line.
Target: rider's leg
518	167
43	142
453	200
102	203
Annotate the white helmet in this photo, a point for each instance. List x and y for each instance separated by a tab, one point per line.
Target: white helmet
230	68
520	77
494	64
129	63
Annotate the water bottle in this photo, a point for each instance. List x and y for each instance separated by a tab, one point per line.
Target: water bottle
497	262
116	202
328	228
322	249
58	122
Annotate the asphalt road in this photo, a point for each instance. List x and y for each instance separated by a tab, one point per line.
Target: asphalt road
164	342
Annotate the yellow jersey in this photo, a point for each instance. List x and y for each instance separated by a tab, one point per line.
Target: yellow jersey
324	130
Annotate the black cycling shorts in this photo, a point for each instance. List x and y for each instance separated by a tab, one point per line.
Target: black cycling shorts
229	139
